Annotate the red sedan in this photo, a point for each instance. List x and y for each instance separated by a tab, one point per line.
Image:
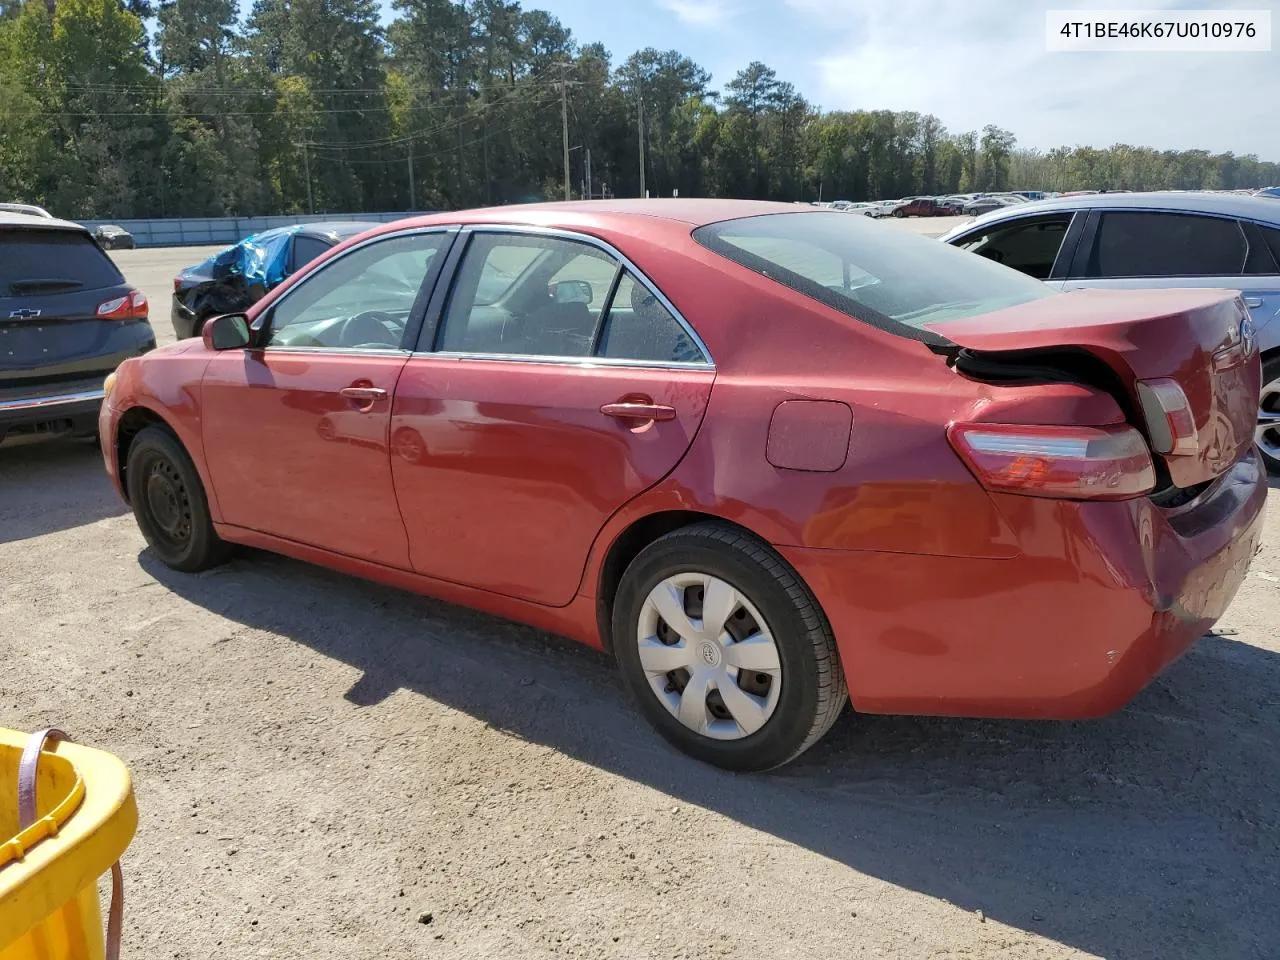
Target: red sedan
772	458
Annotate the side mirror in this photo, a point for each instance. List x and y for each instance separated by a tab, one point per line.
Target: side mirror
571	291
227	332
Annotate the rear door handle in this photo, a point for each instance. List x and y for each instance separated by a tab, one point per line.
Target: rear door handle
367	394
1253	301
634	410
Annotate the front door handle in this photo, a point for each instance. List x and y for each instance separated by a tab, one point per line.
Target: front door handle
365	394
1253	301
638	410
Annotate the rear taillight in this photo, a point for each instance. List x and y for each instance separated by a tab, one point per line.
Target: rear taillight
132	306
177	284
1073	463
1169	419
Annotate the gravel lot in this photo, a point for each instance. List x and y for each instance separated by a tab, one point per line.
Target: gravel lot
328	768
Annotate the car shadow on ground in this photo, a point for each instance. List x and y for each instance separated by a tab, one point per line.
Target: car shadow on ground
51	486
1151	833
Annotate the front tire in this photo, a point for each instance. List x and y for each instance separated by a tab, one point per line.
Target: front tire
725	650
1268	438
169	503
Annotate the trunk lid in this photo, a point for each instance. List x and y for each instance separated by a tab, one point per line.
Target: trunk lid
1201	339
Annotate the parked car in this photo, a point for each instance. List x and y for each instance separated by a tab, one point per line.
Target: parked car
111	237
921	207
240	275
1143	240
1272	192
764	455
67	318
986	204
954	205
873	210
30	209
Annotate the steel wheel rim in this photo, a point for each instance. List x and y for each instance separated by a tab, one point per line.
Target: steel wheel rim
1267	434
168	503
717	669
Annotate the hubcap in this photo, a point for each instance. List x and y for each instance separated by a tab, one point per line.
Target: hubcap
168	503
1267	434
709	656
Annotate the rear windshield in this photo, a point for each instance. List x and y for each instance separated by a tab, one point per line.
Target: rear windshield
880	273
52	261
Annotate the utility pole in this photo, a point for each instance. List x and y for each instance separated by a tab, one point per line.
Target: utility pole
565	67
306	172
413	199
590	195
640	130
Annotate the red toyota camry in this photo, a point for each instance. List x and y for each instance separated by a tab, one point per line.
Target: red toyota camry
771	457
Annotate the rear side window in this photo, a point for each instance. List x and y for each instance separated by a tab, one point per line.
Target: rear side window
1272	238
639	327
889	278
1167	245
306	249
1029	246
53	261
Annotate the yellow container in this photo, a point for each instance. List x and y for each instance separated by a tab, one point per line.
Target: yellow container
85	818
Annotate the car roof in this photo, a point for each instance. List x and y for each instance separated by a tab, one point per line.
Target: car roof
1188	201
27	208
26	221
610	213
336	228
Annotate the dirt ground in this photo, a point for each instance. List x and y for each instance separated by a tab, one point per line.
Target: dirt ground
327	768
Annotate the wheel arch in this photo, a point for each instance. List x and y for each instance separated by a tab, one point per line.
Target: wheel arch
628	543
131	423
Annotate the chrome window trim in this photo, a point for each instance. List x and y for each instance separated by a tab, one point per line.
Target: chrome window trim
573	236
310	275
580	361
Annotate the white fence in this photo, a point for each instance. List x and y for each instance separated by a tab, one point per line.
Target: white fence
192	231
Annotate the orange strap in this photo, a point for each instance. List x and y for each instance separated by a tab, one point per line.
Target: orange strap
28	767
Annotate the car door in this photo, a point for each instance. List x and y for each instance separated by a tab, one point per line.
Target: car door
1139	249
1261	286
295	428
556	386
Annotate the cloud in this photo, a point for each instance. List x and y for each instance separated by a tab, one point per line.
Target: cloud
699	13
984	61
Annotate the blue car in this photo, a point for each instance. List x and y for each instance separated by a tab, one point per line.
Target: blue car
1143	240
239	276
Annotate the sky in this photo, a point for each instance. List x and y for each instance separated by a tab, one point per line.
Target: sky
969	62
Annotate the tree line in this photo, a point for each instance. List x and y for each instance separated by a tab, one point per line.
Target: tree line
122	108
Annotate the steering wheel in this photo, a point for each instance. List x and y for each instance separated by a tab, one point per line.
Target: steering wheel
368	328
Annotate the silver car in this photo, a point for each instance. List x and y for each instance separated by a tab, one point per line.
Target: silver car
1137	240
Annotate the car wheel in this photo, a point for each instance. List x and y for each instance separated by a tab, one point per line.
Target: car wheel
898	213
169	503
1268	437
725	650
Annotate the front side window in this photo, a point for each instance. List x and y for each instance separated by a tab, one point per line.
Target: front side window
1028	246
889	278
359	301
1150	244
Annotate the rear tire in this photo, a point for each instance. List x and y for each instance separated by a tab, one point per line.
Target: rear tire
764	675
1268	441
169	503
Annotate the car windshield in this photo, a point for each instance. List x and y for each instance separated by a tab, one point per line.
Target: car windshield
52	261
894	280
